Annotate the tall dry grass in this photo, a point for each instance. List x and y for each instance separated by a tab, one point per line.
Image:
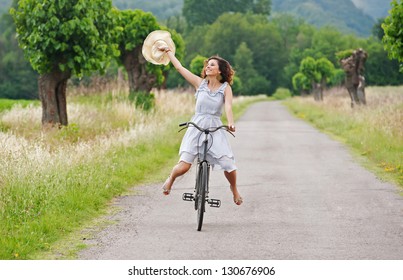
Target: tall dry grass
97	123
384	109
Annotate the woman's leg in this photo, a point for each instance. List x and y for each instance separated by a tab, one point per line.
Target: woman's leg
231	177
178	170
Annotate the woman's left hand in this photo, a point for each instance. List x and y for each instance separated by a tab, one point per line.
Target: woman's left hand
231	127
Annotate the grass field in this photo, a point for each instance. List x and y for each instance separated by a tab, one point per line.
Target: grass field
7	104
53	183
374	132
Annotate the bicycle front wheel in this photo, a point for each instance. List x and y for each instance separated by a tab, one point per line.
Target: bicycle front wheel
201	196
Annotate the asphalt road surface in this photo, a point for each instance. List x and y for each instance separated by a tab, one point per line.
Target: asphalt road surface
305	197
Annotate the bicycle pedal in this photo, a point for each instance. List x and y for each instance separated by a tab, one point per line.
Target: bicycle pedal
188	197
214	203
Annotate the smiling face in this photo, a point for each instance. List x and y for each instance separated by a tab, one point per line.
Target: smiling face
212	68
219	68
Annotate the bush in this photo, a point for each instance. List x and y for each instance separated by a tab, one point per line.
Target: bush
344	54
338	78
281	94
236	86
257	85
197	64
143	100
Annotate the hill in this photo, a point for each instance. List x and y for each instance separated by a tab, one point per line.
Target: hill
342	14
375	8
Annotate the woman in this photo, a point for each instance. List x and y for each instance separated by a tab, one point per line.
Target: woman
213	92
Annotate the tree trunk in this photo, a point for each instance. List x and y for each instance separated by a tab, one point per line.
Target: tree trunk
361	90
52	93
352	86
353	66
135	65
322	87
316	90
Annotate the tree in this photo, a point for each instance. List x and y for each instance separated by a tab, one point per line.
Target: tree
308	69
261	7
197	64
228	32
352	62
289	29
252	82
314	75
301	83
393	26
325	68
177	23
377	30
134	27
194	42
327	41
243	61
62	38
381	70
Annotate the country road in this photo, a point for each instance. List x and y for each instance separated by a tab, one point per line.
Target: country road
305	197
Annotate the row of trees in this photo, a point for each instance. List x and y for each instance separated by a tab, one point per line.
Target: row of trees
66	38
267	53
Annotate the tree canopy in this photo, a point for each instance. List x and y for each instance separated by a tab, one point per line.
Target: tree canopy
393	26
74	36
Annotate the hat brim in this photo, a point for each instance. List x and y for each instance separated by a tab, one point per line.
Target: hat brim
153	42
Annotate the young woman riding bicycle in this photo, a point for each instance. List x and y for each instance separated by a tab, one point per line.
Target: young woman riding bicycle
213	92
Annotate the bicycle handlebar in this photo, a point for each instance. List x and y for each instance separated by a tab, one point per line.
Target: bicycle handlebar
205	130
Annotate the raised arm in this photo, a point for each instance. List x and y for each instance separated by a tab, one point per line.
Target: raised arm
189	76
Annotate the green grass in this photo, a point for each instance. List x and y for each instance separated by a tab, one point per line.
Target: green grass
378	147
7	104
50	206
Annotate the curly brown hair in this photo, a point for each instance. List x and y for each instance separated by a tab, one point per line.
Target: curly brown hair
227	73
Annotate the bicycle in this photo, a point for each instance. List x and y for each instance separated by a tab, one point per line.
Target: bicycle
201	191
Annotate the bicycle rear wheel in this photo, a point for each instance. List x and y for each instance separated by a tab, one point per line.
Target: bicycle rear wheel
201	196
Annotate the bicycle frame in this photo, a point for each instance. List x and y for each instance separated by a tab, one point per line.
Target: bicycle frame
201	191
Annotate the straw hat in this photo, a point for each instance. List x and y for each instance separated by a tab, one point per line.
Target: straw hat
154	41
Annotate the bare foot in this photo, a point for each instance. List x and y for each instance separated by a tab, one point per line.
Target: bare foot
237	197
